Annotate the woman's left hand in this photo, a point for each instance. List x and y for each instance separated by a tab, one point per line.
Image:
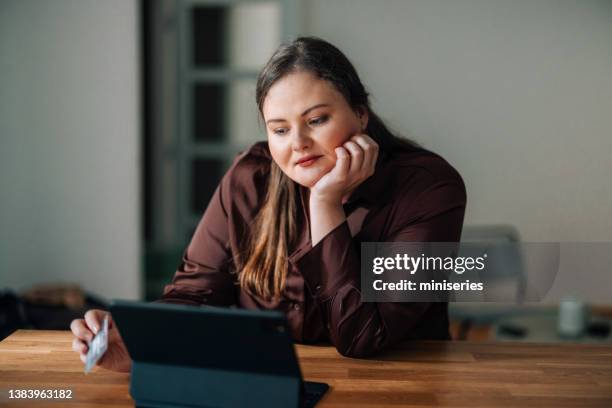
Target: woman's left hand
356	161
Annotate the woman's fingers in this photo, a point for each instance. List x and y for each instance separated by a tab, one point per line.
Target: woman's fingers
355	162
85	329
370	149
79	346
343	162
356	155
80	330
94	319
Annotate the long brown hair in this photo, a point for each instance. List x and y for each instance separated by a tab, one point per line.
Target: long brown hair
274	230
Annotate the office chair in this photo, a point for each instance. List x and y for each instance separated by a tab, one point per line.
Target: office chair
508	273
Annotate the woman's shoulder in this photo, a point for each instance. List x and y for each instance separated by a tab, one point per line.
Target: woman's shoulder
423	168
250	163
258	152
245	182
423	180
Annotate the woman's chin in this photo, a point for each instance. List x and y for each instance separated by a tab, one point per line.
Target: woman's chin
307	182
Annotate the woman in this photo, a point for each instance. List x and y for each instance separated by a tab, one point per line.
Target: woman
283	228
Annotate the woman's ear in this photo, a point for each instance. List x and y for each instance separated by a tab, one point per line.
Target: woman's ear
362	113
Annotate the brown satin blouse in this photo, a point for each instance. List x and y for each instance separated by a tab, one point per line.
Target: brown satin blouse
412	196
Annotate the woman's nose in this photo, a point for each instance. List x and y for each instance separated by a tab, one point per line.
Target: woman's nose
301	140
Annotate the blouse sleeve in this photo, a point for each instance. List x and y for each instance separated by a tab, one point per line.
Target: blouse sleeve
359	329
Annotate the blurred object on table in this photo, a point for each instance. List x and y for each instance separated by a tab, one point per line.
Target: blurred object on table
69	295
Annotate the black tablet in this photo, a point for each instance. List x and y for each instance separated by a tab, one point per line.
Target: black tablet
189	356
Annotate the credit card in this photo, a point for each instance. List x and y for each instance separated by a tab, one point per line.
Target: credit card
97	347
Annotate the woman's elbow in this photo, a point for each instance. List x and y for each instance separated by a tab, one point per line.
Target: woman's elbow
357	349
353	353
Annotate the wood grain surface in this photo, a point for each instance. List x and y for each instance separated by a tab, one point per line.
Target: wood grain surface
417	374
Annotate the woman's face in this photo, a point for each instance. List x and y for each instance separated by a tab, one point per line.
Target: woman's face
307	117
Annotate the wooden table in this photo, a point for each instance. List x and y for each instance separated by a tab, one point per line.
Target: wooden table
419	374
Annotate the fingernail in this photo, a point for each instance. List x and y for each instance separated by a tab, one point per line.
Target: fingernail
95	329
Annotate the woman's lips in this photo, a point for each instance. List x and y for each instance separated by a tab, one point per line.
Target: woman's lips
309	161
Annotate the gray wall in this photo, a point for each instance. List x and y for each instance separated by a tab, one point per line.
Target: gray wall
516	94
69	144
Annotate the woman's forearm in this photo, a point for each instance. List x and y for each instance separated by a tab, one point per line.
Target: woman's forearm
324	217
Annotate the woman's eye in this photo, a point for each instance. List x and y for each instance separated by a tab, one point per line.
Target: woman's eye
319	120
280	131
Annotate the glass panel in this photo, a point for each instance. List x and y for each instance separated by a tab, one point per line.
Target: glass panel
254	33
208	33
226	112
205	176
241	36
209	102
